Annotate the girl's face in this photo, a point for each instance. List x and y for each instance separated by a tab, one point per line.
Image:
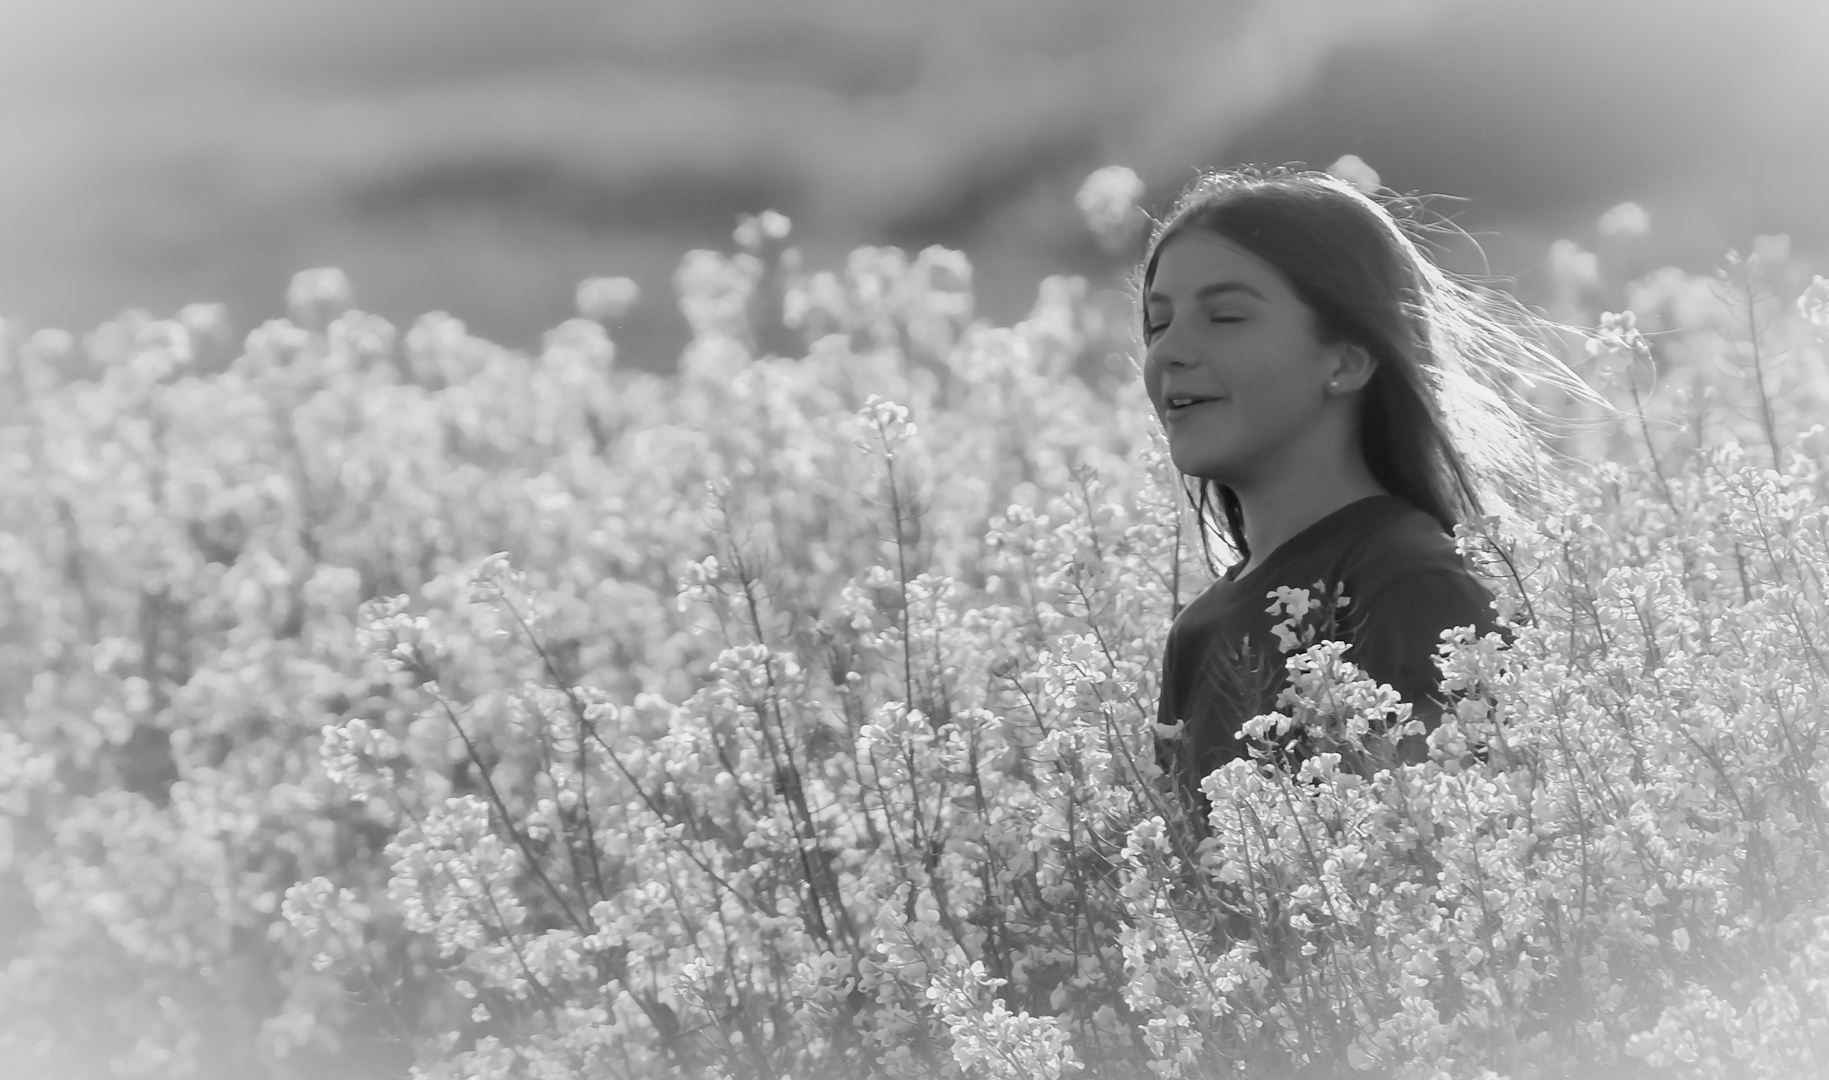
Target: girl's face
1232	363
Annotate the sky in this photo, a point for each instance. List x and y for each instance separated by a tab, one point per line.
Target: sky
481	158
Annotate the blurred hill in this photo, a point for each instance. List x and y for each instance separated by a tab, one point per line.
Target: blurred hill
482	158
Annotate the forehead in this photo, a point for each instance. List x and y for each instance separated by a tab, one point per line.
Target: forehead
1193	260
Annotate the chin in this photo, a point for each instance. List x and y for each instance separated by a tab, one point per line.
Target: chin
1199	466
1205	472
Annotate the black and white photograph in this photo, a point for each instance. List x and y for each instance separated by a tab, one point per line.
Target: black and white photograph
905	539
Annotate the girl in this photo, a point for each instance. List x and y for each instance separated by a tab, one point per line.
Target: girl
1307	361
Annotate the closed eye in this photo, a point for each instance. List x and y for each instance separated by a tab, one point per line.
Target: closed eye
1150	331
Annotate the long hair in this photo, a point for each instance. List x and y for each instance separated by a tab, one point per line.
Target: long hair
1443	421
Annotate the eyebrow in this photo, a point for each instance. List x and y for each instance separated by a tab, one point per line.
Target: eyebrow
1206	291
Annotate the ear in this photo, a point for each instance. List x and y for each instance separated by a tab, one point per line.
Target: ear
1351	369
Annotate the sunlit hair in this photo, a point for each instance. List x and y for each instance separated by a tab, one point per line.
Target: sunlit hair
1446	420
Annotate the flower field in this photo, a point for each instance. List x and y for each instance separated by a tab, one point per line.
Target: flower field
382	702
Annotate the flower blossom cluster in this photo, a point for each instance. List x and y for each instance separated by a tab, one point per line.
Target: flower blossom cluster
389	703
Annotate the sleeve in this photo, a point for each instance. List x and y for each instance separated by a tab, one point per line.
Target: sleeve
1165	711
1396	628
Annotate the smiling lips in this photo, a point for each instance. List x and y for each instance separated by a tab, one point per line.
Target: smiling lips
1182	404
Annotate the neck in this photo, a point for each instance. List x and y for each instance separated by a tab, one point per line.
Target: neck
1277	509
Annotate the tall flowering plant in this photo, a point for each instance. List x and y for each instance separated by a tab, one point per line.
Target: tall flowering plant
391	703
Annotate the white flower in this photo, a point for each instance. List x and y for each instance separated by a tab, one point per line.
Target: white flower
319	295
1354	170
1108	199
1626	219
607	299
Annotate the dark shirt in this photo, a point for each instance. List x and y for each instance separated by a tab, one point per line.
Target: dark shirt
1404	582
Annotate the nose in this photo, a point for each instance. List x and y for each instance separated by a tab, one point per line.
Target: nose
1160	359
1167	359
1168	351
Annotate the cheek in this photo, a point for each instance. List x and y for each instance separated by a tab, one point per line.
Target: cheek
1152	380
1284	374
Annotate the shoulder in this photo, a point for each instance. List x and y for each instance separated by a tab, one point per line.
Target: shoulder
1406	574
1397	541
1402	564
1405	585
